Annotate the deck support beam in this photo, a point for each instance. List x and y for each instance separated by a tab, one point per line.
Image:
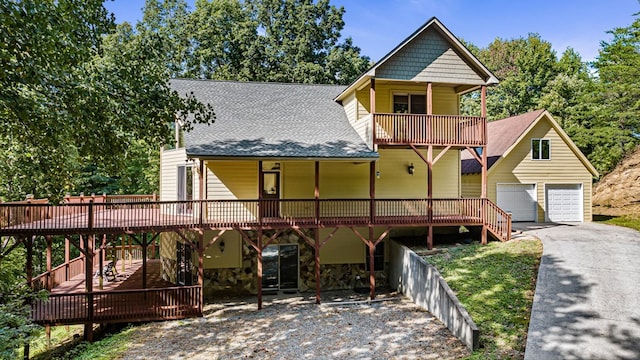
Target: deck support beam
260	268
29	274
88	280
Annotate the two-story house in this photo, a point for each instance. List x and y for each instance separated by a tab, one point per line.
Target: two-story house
303	183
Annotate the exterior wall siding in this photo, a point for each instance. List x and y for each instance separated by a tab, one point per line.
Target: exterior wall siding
428	57
396	182
169	161
445	100
564	167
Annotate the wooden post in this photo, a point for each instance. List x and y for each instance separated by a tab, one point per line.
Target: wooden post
316	250
429	99
316	247
483	101
260	267
88	326
49	275
372	273
260	191
29	274
67	258
144	260
101	265
201	265
201	190
372	108
123	259
430	195
372	191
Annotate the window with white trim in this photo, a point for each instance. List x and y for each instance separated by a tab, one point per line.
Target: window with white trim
540	149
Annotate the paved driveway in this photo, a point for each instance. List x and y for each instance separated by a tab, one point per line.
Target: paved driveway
587	301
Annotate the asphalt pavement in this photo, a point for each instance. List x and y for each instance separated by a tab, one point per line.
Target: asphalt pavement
587	299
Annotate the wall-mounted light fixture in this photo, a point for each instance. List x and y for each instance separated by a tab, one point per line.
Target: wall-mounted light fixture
411	169
221	245
377	174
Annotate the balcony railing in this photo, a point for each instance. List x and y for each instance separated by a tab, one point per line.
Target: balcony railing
419	129
30	219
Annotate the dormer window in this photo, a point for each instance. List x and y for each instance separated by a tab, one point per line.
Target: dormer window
540	149
409	104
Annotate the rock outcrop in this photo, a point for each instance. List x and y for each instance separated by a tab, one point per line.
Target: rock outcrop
618	193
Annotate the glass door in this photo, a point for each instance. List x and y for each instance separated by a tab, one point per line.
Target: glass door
280	267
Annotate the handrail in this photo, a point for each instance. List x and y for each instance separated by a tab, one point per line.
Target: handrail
141	216
497	220
422	129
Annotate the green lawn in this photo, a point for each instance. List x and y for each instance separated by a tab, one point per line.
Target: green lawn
626	221
112	346
496	284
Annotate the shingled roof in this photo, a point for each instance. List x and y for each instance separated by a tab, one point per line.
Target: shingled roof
271	120
501	135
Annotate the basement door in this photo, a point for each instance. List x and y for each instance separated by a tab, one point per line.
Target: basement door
280	268
519	200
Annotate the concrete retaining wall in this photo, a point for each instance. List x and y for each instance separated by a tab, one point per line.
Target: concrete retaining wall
423	284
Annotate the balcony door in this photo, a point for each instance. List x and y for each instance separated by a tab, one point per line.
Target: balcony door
185	189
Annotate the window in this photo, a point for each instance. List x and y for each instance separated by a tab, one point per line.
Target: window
410	104
378	257
540	149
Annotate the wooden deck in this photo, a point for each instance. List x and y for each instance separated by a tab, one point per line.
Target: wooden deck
137	217
122	300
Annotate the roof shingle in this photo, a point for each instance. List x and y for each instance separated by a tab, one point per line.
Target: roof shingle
271	120
501	134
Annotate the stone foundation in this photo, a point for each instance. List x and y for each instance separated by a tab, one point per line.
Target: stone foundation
169	269
243	281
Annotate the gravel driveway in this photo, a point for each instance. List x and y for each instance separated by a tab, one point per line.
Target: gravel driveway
295	328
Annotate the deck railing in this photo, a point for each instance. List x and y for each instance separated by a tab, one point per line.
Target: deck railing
118	306
141	216
60	273
420	129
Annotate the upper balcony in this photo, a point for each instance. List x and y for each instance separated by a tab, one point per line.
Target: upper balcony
421	129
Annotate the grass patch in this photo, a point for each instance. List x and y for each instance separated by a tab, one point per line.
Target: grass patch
496	284
111	346
626	221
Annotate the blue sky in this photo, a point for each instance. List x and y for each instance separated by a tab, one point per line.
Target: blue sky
378	26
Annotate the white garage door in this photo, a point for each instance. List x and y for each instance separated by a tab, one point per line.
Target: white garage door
519	200
564	202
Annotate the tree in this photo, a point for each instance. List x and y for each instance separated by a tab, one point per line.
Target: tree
73	91
256	40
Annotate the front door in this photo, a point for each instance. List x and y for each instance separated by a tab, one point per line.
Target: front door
280	267
271	193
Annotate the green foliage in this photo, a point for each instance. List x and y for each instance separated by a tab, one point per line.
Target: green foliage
496	284
15	327
75	91
255	40
626	221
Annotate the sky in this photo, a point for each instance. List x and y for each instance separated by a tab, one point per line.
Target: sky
378	26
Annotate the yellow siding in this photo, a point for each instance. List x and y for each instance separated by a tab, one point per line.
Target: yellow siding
351	107
396	182
345	247
233	179
471	186
445	100
564	167
232	255
363	101
213	258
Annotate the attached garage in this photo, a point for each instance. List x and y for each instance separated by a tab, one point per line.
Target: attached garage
519	200
564	202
